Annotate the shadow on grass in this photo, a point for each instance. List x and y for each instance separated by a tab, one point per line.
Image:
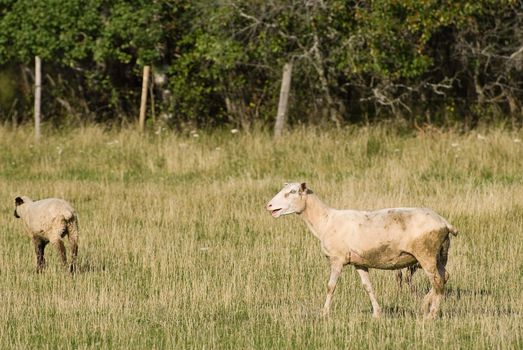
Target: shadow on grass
450	292
90	267
458	293
395	311
479	311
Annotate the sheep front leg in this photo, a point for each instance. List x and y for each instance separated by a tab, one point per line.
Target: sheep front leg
39	245
331	285
365	280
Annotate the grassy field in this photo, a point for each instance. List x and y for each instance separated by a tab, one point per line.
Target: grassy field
177	250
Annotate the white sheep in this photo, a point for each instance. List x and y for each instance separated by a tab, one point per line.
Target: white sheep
386	239
49	220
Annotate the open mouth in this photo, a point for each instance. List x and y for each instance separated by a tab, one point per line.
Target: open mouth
276	212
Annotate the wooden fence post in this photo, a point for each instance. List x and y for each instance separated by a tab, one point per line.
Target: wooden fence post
143	103
38	96
281	116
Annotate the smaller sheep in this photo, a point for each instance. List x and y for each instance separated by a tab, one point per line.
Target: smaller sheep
49	220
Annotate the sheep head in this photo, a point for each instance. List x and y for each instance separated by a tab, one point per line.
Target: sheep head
291	199
20	201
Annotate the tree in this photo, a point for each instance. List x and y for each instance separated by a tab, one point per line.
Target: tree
92	50
421	61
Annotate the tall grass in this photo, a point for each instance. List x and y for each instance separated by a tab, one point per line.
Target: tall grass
177	251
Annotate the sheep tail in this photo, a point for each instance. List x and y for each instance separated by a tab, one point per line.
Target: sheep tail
452	229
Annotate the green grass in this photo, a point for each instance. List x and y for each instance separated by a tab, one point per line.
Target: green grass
177	250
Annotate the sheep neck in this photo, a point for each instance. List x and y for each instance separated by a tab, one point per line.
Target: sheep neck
316	215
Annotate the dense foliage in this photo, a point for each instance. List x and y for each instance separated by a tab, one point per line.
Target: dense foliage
220	61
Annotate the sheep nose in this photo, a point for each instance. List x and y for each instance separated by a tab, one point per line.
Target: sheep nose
269	206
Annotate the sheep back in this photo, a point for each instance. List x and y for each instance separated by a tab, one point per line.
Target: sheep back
46	215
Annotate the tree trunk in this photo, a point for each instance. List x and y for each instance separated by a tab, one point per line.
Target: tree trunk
281	116
333	113
143	103
38	96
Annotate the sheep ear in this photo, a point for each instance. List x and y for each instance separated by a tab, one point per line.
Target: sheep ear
303	187
19	201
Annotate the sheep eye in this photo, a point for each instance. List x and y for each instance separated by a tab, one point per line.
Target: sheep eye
293	191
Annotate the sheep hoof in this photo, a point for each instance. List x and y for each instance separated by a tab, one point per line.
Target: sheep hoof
431	315
40	268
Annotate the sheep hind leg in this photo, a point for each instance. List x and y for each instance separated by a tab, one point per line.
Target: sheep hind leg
443	258
39	245
439	287
72	228
399	278
60	247
437	279
365	280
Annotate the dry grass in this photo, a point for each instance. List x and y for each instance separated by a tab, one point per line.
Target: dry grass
176	250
